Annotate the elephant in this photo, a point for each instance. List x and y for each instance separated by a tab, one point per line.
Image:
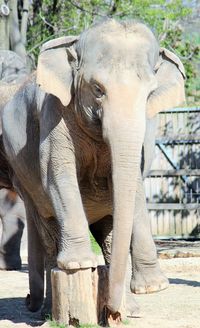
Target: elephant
77	129
12	214
13	73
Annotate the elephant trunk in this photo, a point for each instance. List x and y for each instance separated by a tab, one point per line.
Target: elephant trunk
125	140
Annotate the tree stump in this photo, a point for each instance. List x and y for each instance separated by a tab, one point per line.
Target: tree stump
80	297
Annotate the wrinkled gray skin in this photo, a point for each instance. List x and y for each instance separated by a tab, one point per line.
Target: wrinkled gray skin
80	145
12	213
12	67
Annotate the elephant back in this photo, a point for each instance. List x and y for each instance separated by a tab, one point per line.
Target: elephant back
12	67
13	72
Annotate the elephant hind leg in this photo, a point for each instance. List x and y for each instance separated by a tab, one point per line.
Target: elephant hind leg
147	276
13	227
102	232
50	236
5	168
50	263
34	300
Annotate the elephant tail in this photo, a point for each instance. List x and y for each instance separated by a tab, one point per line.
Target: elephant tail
5	169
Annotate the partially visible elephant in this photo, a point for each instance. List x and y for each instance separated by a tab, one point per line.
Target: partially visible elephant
12	214
76	131
13	73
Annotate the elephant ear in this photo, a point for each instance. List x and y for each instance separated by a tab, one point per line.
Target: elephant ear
54	69
170	76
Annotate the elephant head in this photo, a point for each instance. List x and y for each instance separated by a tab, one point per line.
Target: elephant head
116	75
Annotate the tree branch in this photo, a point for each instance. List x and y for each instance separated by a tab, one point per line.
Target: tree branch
92	13
48	38
4	30
180	56
15	36
24	22
47	23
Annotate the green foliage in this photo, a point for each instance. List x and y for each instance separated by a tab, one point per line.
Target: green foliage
95	247
189	52
126	322
50	19
54	324
88	326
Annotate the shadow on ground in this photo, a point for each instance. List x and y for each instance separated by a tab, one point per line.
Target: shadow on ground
14	309
178	281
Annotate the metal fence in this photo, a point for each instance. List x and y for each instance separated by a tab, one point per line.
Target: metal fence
173	184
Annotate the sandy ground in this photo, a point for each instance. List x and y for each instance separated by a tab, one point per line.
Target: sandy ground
179	305
176	307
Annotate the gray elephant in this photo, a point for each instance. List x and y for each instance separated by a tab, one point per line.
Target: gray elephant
13	73
12	219
76	131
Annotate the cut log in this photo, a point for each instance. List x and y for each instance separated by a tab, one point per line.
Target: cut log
80	297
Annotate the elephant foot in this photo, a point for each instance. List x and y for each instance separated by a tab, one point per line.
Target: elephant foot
148	279
10	262
76	258
33	304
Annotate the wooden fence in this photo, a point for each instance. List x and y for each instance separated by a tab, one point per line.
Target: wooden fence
173	184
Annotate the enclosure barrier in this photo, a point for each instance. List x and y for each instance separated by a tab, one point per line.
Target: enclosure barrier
173	184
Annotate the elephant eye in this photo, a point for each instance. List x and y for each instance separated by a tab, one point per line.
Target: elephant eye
97	90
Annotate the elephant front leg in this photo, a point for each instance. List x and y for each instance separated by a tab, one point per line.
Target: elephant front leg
146	273
74	245
59	177
74	248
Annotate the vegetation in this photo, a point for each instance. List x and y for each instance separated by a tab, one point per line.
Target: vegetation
48	19
54	324
95	247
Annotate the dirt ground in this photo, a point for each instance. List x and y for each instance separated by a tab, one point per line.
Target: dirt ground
179	305
176	307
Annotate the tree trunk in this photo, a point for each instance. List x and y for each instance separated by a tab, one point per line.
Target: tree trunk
4	30
24	22
15	36
80	297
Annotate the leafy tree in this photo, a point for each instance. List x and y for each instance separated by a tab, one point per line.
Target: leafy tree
53	18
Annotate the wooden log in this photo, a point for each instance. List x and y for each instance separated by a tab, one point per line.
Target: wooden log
80	297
